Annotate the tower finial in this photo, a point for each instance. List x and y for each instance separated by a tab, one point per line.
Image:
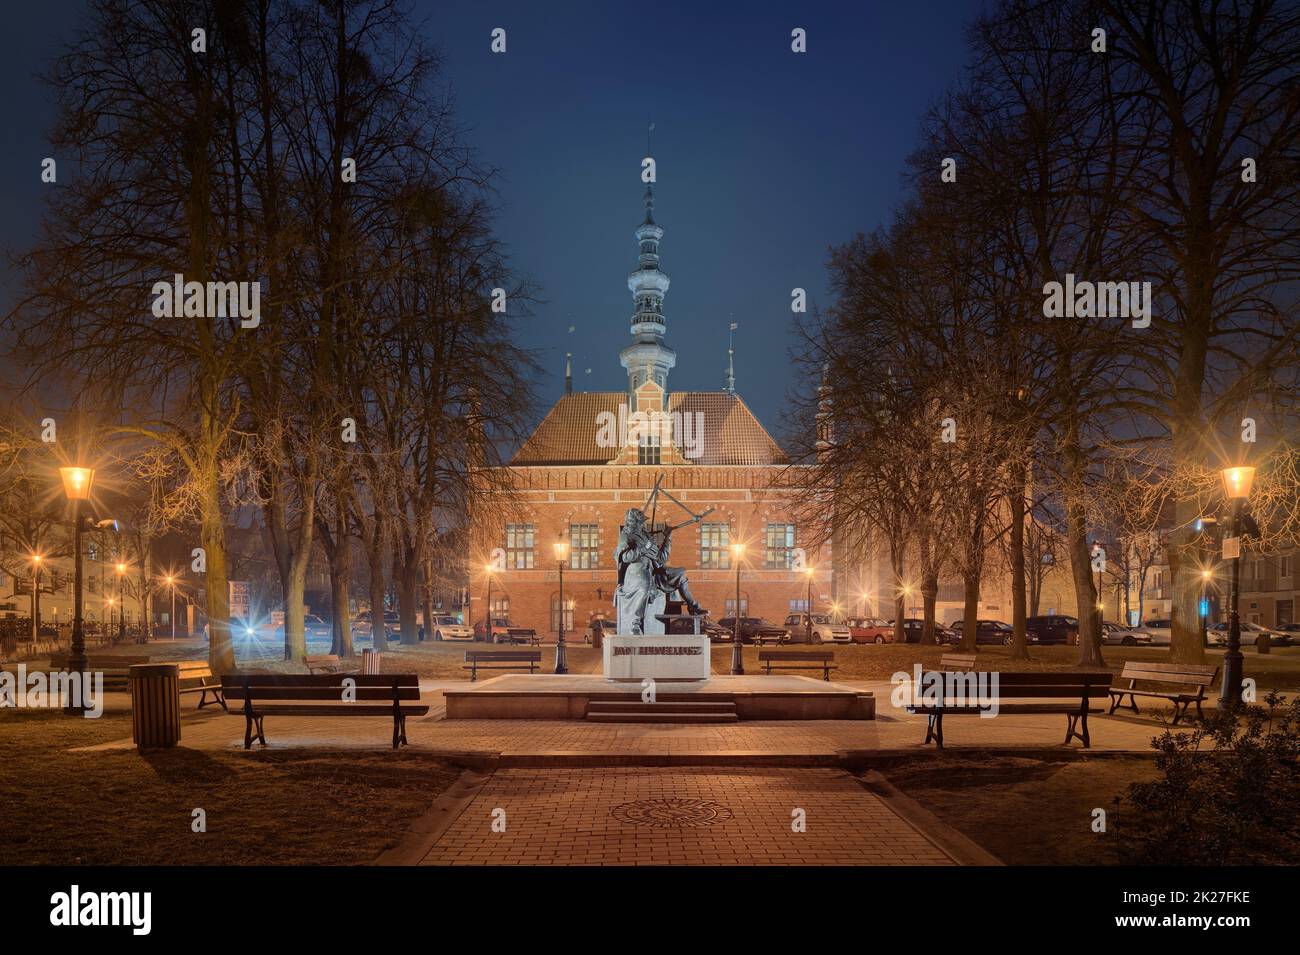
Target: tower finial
568	373
731	367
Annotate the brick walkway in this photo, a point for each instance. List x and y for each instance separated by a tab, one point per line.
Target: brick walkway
893	730
641	816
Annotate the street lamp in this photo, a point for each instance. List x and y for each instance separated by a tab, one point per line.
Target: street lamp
77	482
561	554
171	582
487	614
737	651
1236	486
36	597
808	616
121	604
1204	608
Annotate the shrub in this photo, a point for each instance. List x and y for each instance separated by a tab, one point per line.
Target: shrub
1227	791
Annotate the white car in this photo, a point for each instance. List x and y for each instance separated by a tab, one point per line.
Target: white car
823	630
1250	634
1113	633
449	628
1162	632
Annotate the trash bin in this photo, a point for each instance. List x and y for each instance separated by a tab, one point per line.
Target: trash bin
155	705
371	661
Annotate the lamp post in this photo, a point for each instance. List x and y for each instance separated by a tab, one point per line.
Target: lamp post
76	485
487	613
737	650
1205	607
1236	487
171	582
36	597
121	603
561	554
808	616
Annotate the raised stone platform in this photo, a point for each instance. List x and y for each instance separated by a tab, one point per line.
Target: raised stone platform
545	696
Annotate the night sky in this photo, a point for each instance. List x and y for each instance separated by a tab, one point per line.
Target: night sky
765	157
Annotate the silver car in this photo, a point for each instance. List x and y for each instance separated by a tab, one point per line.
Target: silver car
1113	633
823	630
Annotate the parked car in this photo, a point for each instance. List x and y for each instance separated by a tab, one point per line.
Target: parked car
1052	629
912	627
986	631
503	631
754	630
449	628
1114	634
716	632
823	629
1250	634
1162	631
362	626
870	630
314	627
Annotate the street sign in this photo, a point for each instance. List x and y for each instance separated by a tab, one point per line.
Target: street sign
239	599
1231	548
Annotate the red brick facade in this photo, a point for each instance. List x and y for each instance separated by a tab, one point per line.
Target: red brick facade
556	499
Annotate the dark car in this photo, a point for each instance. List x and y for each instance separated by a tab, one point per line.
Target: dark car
913	626
1054	629
754	629
717	632
986	631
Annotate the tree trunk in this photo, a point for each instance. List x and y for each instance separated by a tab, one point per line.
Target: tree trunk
1019	641
427	608
971	612
929	591
1085	594
221	651
406	571
378	638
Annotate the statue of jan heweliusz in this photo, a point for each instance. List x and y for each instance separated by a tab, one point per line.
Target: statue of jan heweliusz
643	573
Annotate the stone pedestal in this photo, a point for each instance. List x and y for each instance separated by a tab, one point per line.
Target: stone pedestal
630	658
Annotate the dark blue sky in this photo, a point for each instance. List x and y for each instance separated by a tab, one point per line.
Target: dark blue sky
765	158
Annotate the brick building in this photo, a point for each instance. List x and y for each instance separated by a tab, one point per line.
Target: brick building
597	454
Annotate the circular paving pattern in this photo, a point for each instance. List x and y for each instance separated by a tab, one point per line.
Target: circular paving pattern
671	813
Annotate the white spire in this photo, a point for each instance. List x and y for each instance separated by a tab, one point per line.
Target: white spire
648	358
731	367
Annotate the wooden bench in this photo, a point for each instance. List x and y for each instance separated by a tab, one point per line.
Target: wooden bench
500	660
116	670
957	662
1073	690
323	663
1184	683
194	677
799	660
323	694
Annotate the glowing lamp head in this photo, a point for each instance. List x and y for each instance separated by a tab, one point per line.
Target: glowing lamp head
77	482
1237	482
809	570
561	550
121	568
37	558
737	551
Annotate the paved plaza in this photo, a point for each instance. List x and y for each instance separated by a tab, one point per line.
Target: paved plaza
572	792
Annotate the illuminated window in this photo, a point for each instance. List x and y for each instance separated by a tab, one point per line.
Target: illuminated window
584	546
780	547
715	540
519	546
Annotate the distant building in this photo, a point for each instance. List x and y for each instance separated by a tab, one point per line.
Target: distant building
597	454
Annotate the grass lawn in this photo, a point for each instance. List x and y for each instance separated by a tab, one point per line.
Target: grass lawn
444	661
1277	670
1030	811
310	807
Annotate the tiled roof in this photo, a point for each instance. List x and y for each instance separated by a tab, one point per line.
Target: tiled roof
568	433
